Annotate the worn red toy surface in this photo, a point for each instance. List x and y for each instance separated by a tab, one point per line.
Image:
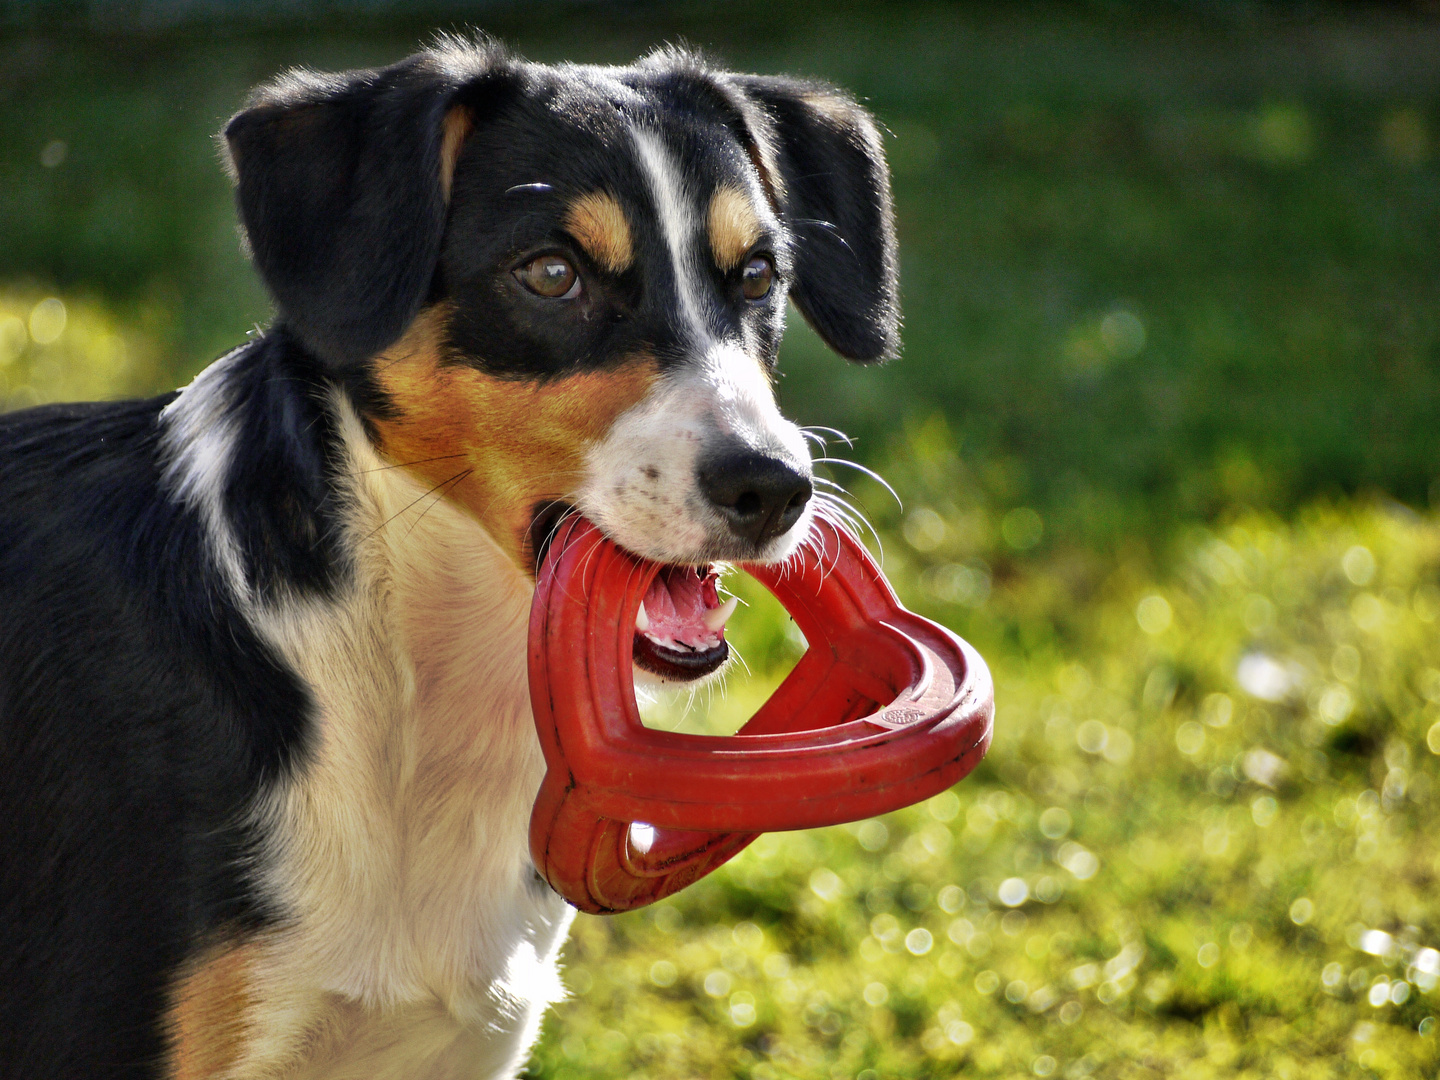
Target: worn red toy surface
884	709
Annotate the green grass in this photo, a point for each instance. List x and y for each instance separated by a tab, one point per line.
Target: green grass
1155	872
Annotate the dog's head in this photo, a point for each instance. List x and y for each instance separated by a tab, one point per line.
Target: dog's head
551	286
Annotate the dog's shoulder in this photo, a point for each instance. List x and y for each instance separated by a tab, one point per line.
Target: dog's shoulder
55	456
139	715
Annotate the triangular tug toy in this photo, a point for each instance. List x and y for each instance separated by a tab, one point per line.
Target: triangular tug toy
886	708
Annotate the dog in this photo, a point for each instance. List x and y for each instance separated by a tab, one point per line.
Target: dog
268	757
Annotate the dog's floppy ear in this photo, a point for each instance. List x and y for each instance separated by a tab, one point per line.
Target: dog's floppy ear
822	161
342	183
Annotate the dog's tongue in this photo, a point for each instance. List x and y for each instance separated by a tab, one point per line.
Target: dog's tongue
682	609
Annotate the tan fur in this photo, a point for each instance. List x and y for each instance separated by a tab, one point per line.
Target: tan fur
496	446
458	125
734	226
598	223
206	1021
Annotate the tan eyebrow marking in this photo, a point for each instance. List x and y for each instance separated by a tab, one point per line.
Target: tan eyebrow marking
597	221
458	124
734	226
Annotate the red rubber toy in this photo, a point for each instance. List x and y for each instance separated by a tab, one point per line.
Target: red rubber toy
886	708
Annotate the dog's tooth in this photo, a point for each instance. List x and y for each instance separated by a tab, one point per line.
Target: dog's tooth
714	619
642	618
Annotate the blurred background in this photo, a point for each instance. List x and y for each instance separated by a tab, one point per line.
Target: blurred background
1165	440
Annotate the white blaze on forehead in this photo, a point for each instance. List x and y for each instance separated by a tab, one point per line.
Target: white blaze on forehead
679	222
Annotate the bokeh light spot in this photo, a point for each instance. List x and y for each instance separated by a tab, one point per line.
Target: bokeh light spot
945	806
1055	822
1013	892
1335	705
13	337
919	941
924	529
1283	134
1263	811
1190	738
873	835
1359	565
1153	614
1092	736
1216	710
54	154
1022	528
1345	663
1123	334
1404	137
47	320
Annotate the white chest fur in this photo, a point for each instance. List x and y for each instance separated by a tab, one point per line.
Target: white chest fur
418	942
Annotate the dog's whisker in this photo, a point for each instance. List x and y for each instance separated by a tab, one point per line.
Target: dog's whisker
407	506
810	428
599	542
838	511
453	481
555	526
871	473
741	658
408	464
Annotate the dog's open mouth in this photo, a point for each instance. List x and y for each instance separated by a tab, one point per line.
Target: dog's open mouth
680	626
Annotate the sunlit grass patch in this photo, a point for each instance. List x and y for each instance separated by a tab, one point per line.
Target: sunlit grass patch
1201	845
69	348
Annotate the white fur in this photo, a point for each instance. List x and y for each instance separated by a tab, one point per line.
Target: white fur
198	433
665	516
416	942
679	223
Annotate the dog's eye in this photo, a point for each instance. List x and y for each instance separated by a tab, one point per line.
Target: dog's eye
550	276
757	277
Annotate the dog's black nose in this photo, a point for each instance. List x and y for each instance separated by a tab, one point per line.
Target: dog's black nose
760	496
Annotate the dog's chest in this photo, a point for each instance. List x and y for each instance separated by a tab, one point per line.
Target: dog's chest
419	942
413	1042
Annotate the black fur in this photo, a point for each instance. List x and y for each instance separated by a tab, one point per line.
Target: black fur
338	186
284	505
837	200
140	712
